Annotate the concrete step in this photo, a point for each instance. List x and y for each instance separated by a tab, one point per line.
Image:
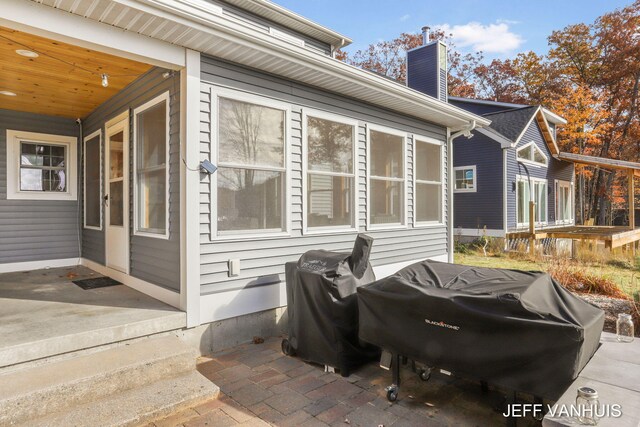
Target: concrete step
104	330
134	407
36	391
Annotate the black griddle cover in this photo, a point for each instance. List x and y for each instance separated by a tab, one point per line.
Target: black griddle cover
323	309
515	329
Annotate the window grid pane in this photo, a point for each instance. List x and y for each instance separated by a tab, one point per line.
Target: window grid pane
42	167
428	162
386	201
329	200
387	157
329	146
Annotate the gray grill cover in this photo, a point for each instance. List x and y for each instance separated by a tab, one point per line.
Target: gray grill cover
516	329
323	309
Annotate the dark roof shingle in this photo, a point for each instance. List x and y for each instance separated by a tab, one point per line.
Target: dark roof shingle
511	123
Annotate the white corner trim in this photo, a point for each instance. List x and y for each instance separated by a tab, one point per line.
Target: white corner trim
190	188
162	294
38	265
14	139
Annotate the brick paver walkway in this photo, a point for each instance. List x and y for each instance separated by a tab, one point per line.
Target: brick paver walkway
260	387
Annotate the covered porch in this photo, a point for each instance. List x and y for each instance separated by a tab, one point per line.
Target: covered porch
612	237
44	314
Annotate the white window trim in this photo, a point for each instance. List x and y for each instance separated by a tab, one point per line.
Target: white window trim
89	137
305	171
14	138
531	162
218	92
475	179
567	184
546	195
164	97
404	180
433	141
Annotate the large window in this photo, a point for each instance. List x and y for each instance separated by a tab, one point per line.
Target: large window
428	181
465	179
525	187
530	153
330	175
41	166
386	178
564	201
151	155
251	176
93	181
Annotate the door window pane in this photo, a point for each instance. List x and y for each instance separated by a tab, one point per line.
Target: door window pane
250	199
116	204
116	162
151	168
93	183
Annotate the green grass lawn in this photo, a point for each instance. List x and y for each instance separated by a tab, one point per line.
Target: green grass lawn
627	278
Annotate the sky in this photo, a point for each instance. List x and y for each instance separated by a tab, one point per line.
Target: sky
500	28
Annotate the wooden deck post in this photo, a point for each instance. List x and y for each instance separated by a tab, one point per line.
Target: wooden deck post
632	208
532	228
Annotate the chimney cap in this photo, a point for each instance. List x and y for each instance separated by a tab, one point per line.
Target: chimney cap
425	35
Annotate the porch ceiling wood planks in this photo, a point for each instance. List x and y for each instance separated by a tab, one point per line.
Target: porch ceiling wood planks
612	236
46	85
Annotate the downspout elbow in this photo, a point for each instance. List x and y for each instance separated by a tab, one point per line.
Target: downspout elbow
466	131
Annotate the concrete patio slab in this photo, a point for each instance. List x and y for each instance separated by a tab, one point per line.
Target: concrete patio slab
42	314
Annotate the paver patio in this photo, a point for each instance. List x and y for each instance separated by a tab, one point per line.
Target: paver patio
260	386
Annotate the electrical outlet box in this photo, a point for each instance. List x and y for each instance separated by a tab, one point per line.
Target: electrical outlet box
234	267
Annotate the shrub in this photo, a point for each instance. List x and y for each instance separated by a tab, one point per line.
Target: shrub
579	281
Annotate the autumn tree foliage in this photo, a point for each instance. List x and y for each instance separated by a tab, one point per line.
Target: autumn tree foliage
590	76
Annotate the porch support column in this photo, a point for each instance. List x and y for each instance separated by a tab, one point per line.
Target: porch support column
190	188
632	208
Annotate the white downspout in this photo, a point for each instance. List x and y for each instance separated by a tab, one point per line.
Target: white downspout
451	181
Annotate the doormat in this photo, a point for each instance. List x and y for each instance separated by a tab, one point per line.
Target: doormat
98	282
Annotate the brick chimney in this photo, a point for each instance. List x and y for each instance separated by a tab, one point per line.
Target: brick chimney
427	67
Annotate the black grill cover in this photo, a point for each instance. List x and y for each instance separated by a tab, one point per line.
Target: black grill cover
515	329
323	309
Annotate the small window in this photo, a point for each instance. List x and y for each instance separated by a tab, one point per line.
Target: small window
524	189
386	179
564	202
428	181
41	166
530	153
330	150
93	181
465	179
151	157
251	176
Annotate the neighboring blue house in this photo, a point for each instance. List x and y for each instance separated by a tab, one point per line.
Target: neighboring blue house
498	169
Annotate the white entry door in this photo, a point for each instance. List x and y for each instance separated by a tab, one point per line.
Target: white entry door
116	197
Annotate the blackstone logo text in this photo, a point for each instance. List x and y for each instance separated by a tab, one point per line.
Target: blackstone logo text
442	325
520	410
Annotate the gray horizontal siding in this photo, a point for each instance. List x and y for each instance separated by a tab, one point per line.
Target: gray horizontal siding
555	170
35	230
154	260
262	261
485	207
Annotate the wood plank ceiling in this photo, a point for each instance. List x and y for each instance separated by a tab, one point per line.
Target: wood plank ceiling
64	80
